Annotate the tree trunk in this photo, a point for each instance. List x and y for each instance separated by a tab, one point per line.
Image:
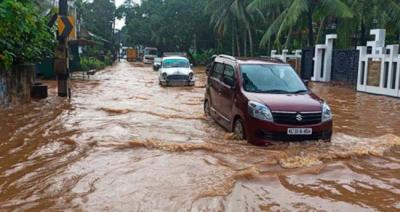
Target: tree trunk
251	43
245	45
237	38
363	37
320	31
233	41
289	36
238	44
310	27
398	36
195	43
357	39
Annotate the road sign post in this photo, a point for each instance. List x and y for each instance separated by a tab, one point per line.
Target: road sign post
65	27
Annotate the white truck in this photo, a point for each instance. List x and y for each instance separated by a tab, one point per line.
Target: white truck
149	54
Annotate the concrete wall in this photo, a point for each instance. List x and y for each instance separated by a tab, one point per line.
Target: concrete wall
15	85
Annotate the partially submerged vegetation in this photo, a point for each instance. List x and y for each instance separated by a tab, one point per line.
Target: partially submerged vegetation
91	63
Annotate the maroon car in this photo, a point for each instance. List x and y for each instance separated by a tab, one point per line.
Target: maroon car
262	99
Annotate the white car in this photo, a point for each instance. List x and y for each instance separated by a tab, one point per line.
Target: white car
176	70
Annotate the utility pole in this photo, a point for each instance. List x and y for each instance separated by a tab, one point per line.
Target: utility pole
61	60
119	45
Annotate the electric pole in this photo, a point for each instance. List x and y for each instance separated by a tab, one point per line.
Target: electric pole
61	57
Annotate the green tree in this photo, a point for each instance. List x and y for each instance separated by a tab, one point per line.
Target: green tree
231	16
371	14
237	26
24	34
171	25
98	16
299	12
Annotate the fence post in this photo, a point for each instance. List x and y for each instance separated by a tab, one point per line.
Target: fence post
323	59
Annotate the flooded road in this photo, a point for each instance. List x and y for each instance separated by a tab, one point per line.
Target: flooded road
125	144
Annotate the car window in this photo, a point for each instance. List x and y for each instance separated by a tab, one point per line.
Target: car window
229	75
218	70
271	79
175	63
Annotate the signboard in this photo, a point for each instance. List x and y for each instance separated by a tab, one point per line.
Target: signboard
295	63
66	27
374	73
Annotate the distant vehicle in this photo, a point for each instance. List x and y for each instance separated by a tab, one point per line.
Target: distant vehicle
131	54
157	63
262	99
149	54
176	71
170	54
122	52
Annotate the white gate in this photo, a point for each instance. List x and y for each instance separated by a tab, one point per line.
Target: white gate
323	59
379	66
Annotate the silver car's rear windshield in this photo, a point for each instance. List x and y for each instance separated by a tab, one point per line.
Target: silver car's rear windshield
271	78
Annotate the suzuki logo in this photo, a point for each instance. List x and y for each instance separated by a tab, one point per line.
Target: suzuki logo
299	117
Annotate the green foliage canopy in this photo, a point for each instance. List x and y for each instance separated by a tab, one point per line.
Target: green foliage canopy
24	35
253	27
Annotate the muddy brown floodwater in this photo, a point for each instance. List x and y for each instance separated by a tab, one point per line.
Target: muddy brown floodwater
125	144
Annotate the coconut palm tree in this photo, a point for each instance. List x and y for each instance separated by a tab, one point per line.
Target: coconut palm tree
294	12
232	16
370	14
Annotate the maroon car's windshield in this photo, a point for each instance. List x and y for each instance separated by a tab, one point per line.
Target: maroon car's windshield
266	78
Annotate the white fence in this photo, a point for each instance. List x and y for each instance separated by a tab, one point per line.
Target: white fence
379	66
293	59
285	57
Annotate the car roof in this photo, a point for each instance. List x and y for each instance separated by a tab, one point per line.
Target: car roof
175	57
250	60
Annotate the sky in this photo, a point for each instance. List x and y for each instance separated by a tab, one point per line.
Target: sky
120	23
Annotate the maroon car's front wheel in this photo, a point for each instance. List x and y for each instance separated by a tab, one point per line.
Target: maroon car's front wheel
238	130
207	108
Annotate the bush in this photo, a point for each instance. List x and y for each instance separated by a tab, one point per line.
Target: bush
203	57
108	59
24	35
91	63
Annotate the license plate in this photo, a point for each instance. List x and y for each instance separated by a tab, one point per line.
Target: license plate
299	131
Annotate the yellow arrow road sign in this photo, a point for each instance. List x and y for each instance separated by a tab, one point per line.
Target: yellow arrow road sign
66	27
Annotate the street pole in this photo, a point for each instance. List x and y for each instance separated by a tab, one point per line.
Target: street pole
113	40
61	66
119	46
